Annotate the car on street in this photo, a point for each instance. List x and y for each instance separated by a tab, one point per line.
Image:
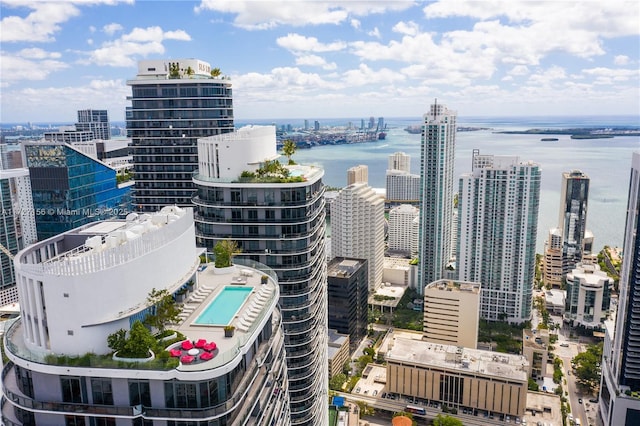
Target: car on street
594	400
564	345
579	400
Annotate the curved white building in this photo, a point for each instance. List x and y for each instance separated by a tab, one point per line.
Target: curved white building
80	287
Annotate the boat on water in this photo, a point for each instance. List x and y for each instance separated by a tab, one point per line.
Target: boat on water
382	136
549	139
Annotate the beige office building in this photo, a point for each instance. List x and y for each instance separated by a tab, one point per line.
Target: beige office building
451	313
358	174
457	377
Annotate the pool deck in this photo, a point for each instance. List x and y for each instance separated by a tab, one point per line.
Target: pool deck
250	314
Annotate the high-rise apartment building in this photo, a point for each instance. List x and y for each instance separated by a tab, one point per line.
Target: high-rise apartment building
572	221
451	313
497	227
358	174
276	214
552	264
357	228
621	353
71	189
95	121
436	193
173	103
399	161
17	226
348	295
402	228
79	288
588	296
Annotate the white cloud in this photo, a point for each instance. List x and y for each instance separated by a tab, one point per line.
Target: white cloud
611	75
375	33
315	61
364	75
112	28
37	53
355	23
39	25
260	15
92	29
103	94
518	70
90	41
44	19
29	64
408	28
548	76
621	60
140	42
300	43
534	29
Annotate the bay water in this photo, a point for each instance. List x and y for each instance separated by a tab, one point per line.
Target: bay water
607	162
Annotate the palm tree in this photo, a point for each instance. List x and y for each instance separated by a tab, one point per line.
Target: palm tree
289	148
190	71
215	72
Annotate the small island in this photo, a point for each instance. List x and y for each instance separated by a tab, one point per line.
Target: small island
549	139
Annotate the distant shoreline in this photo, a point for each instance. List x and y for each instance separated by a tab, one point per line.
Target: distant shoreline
579	133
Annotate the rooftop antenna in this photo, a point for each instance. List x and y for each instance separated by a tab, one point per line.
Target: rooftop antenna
435	108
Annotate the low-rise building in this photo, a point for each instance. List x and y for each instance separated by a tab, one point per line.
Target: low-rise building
457	377
338	352
588	296
535	345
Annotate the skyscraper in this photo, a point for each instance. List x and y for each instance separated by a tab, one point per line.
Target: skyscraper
71	189
79	288
357	228
402	227
173	103
436	193
574	195
621	353
497	227
276	214
95	121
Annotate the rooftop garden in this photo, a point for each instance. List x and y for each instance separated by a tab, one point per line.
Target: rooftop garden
271	171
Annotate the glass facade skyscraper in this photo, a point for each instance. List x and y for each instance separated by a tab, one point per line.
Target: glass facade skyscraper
436	193
621	364
173	103
573	217
71	189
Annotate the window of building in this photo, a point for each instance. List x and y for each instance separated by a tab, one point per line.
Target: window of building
73	389
102	391
139	393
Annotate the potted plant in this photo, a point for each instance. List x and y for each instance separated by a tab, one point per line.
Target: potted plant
264	279
229	330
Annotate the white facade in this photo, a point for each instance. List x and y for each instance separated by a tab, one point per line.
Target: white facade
402	187
110	264
497	226
227	155
160	68
437	188
23	202
588	296
402	228
399	161
357	228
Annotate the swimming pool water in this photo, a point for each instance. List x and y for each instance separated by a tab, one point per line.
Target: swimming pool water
222	309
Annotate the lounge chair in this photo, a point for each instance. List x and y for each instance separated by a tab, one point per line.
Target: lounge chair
206	356
186	345
187	359
175	352
200	343
210	347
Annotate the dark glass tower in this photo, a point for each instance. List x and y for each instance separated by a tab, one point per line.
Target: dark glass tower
71	189
573	217
173	103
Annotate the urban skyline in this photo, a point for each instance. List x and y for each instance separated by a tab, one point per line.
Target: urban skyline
354	58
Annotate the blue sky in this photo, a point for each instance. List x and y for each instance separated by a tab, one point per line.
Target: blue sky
321	59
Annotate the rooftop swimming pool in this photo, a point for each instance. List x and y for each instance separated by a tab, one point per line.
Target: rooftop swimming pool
222	309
